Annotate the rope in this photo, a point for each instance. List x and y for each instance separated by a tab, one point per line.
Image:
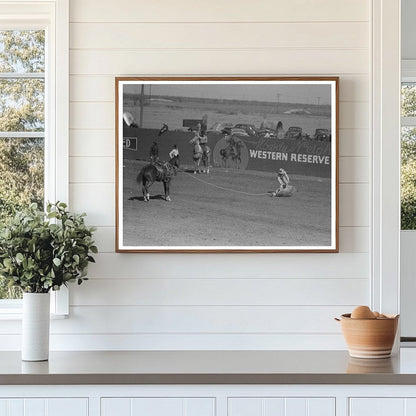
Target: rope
220	187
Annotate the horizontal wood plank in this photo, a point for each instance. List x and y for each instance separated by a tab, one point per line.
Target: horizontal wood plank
183	320
220	62
218	11
251	266
146	342
95	88
354	170
220	291
90	169
201	319
354	205
96	199
218	35
92	143
354	239
92	115
354	142
354	115
105	239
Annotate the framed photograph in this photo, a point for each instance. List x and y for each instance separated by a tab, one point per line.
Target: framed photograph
226	164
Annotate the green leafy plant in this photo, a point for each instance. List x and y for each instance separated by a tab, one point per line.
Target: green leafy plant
408	196
43	251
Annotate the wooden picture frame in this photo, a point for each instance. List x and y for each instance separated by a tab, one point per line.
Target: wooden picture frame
267	149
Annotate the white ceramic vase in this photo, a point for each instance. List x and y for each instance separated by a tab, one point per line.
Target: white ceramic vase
35	326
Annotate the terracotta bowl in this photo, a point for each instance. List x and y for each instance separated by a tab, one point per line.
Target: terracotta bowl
369	338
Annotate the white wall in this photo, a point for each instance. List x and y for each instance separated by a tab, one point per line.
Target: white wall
181	301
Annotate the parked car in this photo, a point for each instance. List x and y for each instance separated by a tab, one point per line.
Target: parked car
239	132
322	135
294	133
248	128
267	133
220	127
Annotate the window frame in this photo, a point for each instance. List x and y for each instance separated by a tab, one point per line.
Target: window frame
385	156
408	75
53	17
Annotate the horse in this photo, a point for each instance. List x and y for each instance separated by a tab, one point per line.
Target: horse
236	157
200	154
227	153
232	151
159	172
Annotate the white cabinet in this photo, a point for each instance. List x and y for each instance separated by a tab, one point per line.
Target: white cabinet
271	406
208	400
382	406
160	406
44	407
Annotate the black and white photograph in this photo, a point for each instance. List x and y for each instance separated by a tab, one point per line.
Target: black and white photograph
227	164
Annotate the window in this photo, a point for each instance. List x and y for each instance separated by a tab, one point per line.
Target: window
22	124
408	155
33	111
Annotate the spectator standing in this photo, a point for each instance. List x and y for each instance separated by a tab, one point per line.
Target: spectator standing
154	152
174	152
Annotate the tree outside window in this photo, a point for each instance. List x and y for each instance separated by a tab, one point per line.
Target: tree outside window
22	124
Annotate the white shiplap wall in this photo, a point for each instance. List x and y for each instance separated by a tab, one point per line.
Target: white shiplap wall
181	301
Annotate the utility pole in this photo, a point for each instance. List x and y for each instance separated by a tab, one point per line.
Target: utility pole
278	100
141	106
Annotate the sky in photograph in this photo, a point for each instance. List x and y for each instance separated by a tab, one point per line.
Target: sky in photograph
294	93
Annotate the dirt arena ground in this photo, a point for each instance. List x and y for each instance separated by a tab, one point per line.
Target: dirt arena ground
203	214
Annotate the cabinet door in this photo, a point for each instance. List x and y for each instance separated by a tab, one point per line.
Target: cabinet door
44	407
270	406
382	406
160	406
377	407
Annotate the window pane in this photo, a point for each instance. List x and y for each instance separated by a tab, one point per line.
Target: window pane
21	109
22	104
21	182
408	95
408	145
22	51
21	173
408	178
